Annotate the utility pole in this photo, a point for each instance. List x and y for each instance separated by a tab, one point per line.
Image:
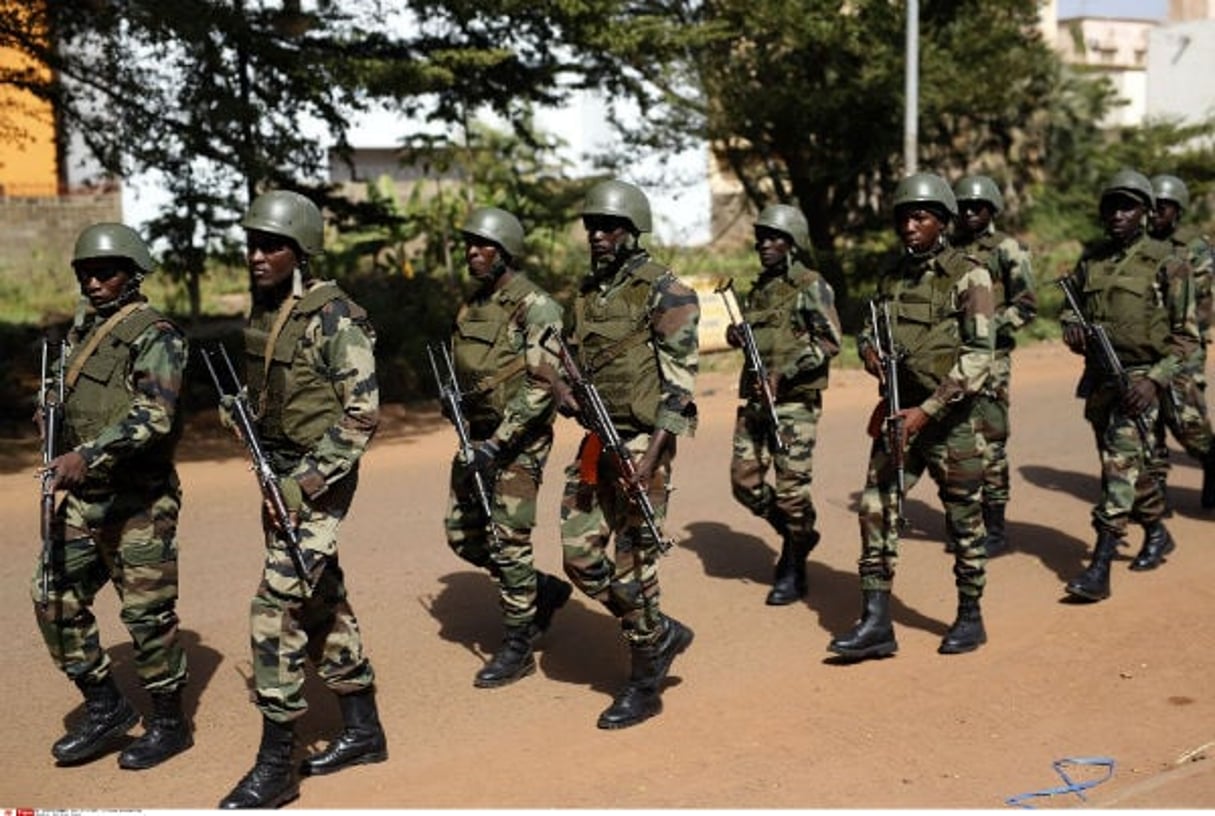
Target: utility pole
911	89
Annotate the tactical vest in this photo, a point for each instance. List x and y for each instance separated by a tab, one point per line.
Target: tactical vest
615	349
297	403
100	398
489	357
770	311
1121	295
925	314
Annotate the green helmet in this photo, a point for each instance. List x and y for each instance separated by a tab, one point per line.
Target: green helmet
1132	183
926	188
979	188
112	241
786	219
497	225
619	199
1171	188
283	212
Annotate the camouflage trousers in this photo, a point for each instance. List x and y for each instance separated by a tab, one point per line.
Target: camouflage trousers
1188	420
129	540
992	426
1129	492
793	470
511	561
593	508
949	449
288	628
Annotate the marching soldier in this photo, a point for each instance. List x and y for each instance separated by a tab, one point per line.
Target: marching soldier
310	372
941	311
1140	291
634	334
1016	304
118	520
1185	413
506	375
791	311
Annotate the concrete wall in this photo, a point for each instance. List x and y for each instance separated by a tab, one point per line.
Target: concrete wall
37	234
1181	71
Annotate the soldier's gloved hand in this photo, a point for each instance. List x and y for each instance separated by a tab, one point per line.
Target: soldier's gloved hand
1073	336
733	336
872	364
1140	396
485	457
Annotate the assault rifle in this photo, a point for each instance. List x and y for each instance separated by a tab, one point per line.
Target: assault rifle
50	407
594	417
450	396
754	362
1097	342
237	398
892	426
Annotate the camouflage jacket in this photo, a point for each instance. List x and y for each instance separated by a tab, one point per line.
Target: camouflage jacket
531	313
804	336
338	343
1012	277
1202	263
951	359
672	314
136	444
1159	341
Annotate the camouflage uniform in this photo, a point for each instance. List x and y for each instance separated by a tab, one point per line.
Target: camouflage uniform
1016	305
1143	296
942	316
635	335
1184	410
318	406
792	313
120	526
505	375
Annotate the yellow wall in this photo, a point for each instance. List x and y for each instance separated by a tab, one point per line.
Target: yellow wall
27	139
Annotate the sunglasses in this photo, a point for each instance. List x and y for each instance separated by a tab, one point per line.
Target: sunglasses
100	274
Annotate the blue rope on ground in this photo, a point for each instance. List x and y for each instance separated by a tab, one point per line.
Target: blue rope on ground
1069	785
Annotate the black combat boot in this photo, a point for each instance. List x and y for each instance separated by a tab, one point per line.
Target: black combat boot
1208	478
513	660
108	715
166	734
967	632
993	519
641	697
1094	583
361	742
271	782
1157	543
789	583
874	635
551	594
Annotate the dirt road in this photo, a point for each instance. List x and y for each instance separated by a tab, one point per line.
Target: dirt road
756	715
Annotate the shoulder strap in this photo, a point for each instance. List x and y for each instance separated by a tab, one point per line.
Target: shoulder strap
102	332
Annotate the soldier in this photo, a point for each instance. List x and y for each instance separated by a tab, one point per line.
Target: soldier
1012	277
505	376
791	310
118	520
634	334
941	319
1139	290
310	372
1185	412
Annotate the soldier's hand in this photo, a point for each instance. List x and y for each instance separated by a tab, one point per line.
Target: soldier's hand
914	420
872	363
39	422
1141	396
1073	336
876	420
70	470
774	381
733	336
567	405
